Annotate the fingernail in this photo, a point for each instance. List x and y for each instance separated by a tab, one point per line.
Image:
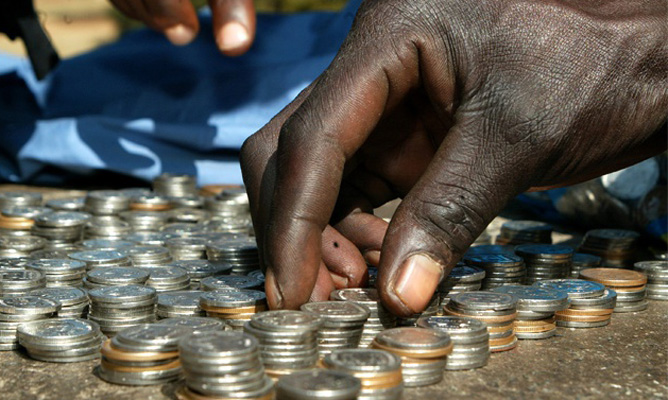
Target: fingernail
180	34
417	281
372	257
272	291
232	36
340	282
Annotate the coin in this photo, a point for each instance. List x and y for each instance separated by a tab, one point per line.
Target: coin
613	277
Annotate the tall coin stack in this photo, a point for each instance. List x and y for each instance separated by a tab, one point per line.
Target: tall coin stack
519	232
115	308
423	353
179	304
16	282
657	278
234	306
342	327
629	285
616	247
583	261
60	227
242	254
500	269
59	272
61	340
318	384
379	317
200	269
187	248
288	340
535	310
73	301
106	202
462	278
496	310
101	258
545	261
223	365
114	276
15	311
167	279
148	256
591	304
469	337
175	185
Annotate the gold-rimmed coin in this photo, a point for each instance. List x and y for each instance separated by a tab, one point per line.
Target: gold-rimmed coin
614	277
124	368
590	312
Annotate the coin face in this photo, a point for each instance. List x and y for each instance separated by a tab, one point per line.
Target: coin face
200	267
533	293
165	273
186	298
319	383
523	225
118	274
357	295
614	276
27	305
195	324
574	287
62	218
280	320
19	276
232	298
490	249
149	334
64	295
59	328
218	344
56	265
461	271
453	324
413	338
122	293
483	300
363	360
502	258
337	310
230	282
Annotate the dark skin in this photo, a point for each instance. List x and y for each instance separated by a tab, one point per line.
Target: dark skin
456	107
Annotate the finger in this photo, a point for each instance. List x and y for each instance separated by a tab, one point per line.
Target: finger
177	19
324	285
343	260
366	232
233	25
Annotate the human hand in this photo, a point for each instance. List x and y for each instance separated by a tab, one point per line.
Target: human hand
233	21
457	107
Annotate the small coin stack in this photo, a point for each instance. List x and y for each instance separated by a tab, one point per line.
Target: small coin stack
114	276
175	185
616	247
19	246
115	308
583	261
17	221
148	256
318	384
150	202
591	304
106	244
223	365
189	215
519	232
629	285
61	227
657	278
59	272
342	327
144	221
187	248
490	249
423	353
101	258
496	310
234	306
17	281
67	204
229	282
145	354
288	340
179	304
200	269
500	269
15	311
462	278
469	337
150	238
228	203
106	202
535	310
379	317
73	301
195	324
19	199
182	229
545	261
167	279
242	254
379	371
61	340
106	227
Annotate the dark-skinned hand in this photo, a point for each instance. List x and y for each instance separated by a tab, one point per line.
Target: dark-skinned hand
456	107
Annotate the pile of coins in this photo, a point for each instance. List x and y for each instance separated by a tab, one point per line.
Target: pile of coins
379	371
519	232
379	317
462	278
616	247
496	310
115	308
535	310
61	340
583	261
423	353
469	337
16	281
629	285
19	246
15	311
106	202
200	269
175	185
318	384
114	276
591	304
657	278
342	327
545	261
179	304
60	227
167	279
500	269
187	248
148	256
101	258
241	254
235	307
73	301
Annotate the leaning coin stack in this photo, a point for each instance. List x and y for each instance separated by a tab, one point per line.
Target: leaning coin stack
15	281
423	353
234	306
535	310
200	269
106	202
145	354
187	248
379	317
223	365
73	301
616	247
469	337
143	256
629	285
230	282
657	278
175	185
583	261
545	261
519	232
115	308
241	253
288	340
144	221
378	370
106	227
462	278
101	258
342	327
167	279
496	310
591	304
179	304
61	340
61	226
318	384
114	276
15	311
500	269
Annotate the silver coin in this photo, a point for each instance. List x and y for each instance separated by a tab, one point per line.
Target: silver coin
187	299
150	337
457	327
195	324
408	338
118	275
202	268
363	360
120	294
365	296
138	378
653	269
28	305
535	298
232	298
318	384
62	219
486	259
286	320
578	324
19	277
107	244
229	282
336	312
59	330
217	344
631	306
483	301
56	266
98	256
576	288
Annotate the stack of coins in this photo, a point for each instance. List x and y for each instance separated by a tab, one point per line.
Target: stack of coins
145	354
616	247
195	324
342	327
469	337
143	256
101	258
150	202
115	308
19	246
496	310
223	365
145	221
583	261
17	221
629	285
234	306
49	254
545	261
288	340
15	282
500	269
193	201
462	278
167	279
106	227
150	238
19	199
379	317
318	384
67	204
229	202
73	301
188	248
187	215
535	310
242	254
519	232
61	340
490	249
379	371
179	304
14	263
229	282
175	185
106	244
423	353
179	229
591	304
114	276
657	278
61	226
15	311
200	269
106	202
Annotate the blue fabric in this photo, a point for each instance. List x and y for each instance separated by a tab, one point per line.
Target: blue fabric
141	106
